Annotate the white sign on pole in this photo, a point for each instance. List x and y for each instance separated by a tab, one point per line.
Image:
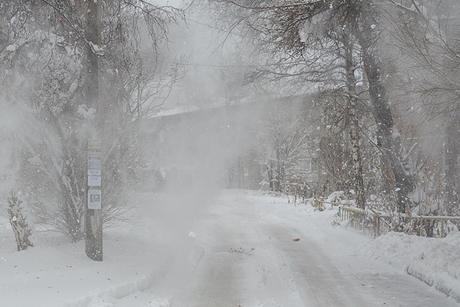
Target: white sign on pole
94	164
94	181
94	155
94	199
94	172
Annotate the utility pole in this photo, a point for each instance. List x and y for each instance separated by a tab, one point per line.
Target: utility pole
93	209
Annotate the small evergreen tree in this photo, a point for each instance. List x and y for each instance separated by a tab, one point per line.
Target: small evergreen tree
18	222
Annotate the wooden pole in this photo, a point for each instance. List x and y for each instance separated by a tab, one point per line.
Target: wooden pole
93	210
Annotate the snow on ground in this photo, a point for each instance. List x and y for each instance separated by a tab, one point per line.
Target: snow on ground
433	260
238	248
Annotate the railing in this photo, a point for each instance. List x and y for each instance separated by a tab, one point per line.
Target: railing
378	223
355	216
368	220
442	219
319	203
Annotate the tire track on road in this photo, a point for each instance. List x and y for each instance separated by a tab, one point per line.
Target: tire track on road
317	280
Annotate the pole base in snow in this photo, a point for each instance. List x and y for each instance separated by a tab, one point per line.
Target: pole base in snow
93	233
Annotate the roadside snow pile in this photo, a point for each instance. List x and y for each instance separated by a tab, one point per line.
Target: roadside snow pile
395	247
435	261
145	259
337	197
439	265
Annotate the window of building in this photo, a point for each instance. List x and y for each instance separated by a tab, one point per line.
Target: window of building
308	165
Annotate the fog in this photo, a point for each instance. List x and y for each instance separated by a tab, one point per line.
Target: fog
197	128
191	155
212	139
195	131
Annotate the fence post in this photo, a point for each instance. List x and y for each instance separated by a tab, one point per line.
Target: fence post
442	229
421	226
378	226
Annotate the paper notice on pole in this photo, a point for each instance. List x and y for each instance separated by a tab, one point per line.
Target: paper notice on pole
94	199
94	155
94	164
94	144
94	181
94	172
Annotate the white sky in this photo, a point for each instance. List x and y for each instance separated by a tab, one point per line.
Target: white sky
168	2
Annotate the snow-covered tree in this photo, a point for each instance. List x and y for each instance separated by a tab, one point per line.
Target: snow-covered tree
287	140
18	223
306	43
45	49
427	34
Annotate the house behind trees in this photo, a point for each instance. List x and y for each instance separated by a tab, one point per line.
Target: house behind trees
270	145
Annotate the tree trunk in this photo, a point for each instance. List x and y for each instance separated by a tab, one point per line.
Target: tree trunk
387	140
356	155
452	153
353	117
18	223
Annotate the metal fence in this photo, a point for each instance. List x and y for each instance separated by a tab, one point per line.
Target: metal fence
377	223
369	222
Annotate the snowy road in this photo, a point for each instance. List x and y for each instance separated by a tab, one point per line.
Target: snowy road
233	249
244	256
259	264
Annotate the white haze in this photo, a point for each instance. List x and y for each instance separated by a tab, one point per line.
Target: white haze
193	156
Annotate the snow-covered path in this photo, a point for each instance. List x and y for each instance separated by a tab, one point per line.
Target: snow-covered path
232	249
254	262
244	254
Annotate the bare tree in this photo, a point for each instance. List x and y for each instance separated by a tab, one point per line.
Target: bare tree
287	139
53	83
427	33
295	42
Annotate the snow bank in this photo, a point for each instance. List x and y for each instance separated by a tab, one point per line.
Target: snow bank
137	256
438	264
435	261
